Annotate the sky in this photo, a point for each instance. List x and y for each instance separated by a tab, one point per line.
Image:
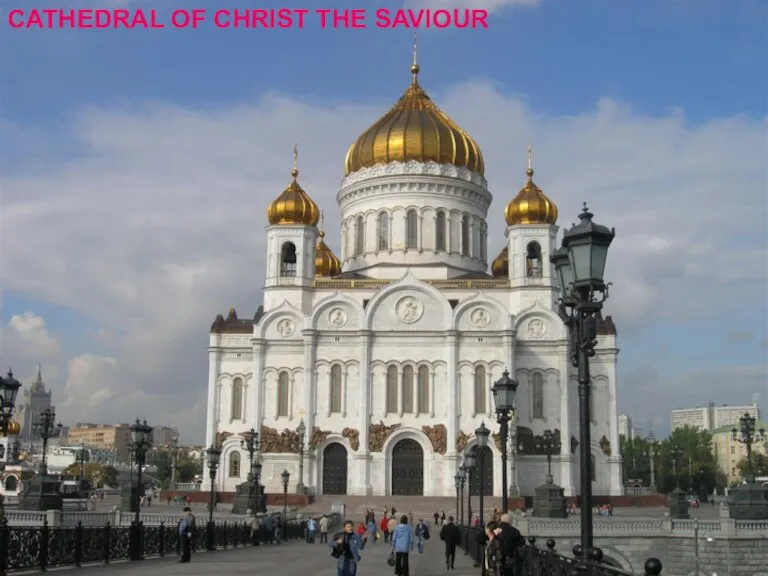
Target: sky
136	166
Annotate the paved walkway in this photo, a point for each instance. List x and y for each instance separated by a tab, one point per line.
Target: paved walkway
293	559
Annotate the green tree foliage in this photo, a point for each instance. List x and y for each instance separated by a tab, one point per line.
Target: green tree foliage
186	469
99	475
759	465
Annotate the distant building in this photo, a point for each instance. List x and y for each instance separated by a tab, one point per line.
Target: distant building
106	437
712	417
162	436
728	452
625	427
35	401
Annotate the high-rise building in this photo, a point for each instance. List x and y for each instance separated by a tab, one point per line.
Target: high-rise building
105	437
162	436
35	400
625	427
711	417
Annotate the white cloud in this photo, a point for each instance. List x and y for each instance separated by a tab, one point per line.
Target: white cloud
32	333
149	217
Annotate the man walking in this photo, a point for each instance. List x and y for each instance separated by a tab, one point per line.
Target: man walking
422	535
185	535
323	530
511	541
450	535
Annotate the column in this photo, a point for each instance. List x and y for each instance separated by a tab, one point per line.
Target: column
452	389
566	427
212	417
362	456
310	338
616	487
508	345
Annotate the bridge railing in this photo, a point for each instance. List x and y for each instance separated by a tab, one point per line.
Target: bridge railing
534	560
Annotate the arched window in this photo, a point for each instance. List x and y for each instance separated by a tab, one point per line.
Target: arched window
465	235
11	483
422	396
288	260
538	396
533	260
480	390
336	389
408	390
282	394
237	400
359	236
440	231
234	465
392	390
411	229
383	231
593	467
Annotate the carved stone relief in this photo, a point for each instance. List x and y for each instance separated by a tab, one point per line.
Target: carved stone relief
285	442
574	444
337	318
353	437
409	309
221	437
438	436
605	446
536	328
317	437
378	434
497	440
480	318
285	327
461	441
413	167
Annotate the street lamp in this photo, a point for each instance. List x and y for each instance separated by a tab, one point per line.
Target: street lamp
579	266
747	435
9	388
174	454
301	431
457	484
141	442
675	453
469	466
47	428
504	390
250	442
286	476
257	480
214	455
652	459
482	434
547	444
463	478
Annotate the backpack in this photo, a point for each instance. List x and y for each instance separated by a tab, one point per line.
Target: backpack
425	531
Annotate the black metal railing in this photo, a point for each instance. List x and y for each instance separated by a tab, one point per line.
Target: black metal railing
534	560
43	547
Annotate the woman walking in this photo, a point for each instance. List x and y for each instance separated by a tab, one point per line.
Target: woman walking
494	552
402	544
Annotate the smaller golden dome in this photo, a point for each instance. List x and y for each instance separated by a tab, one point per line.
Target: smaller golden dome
294	206
14	428
500	265
531	205
326	262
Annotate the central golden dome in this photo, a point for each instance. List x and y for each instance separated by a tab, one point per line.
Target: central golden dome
415	129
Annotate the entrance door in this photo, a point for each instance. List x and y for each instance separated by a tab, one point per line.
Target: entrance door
487	473
335	469
407	468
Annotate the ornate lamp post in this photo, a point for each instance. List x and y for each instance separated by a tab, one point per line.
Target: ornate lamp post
257	481
286	476
463	478
747	435
676	453
469	467
214	455
250	443
652	459
457	484
547	444
174	455
47	428
513	489
301	431
9	389
579	265
504	390
141	442
482	433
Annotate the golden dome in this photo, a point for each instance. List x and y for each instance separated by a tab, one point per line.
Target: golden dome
500	265
531	205
414	129
293	206
326	262
14	428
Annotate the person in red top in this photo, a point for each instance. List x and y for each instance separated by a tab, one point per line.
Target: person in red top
385	528
361	529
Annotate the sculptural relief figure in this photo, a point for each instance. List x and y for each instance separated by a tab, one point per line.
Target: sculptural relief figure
378	434
285	327
438	436
353	437
536	328
461	441
480	318
318	437
409	309
337	317
605	445
221	436
285	442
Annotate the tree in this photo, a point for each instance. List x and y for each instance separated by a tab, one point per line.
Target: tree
100	476
697	469
759	465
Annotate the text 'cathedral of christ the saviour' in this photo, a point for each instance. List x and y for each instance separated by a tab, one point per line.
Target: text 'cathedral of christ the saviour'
388	351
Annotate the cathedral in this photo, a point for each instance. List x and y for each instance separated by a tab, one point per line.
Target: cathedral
386	352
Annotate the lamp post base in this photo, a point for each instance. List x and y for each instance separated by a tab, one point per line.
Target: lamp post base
42	493
748	502
301	489
130	496
549	501
247	498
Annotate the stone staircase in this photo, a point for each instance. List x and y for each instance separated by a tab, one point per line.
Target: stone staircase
421	506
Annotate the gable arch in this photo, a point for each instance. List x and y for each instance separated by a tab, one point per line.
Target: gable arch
479	299
327	303
556	328
286	309
408	282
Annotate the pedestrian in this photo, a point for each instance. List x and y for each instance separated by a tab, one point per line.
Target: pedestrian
422	534
450	535
268	529
372	530
185	535
436	516
493	562
511	542
254	526
385	528
346	549
402	544
442	517
391	526
323	529
311	529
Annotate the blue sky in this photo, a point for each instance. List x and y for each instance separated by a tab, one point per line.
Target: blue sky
701	61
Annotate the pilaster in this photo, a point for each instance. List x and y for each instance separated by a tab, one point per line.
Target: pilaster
566	459
362	457
310	392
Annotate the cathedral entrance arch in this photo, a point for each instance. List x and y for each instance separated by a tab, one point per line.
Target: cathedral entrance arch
487	472
335	469
407	468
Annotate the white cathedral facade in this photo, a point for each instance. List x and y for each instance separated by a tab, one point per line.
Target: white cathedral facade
388	352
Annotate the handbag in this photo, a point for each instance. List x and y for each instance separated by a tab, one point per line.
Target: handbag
391	559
